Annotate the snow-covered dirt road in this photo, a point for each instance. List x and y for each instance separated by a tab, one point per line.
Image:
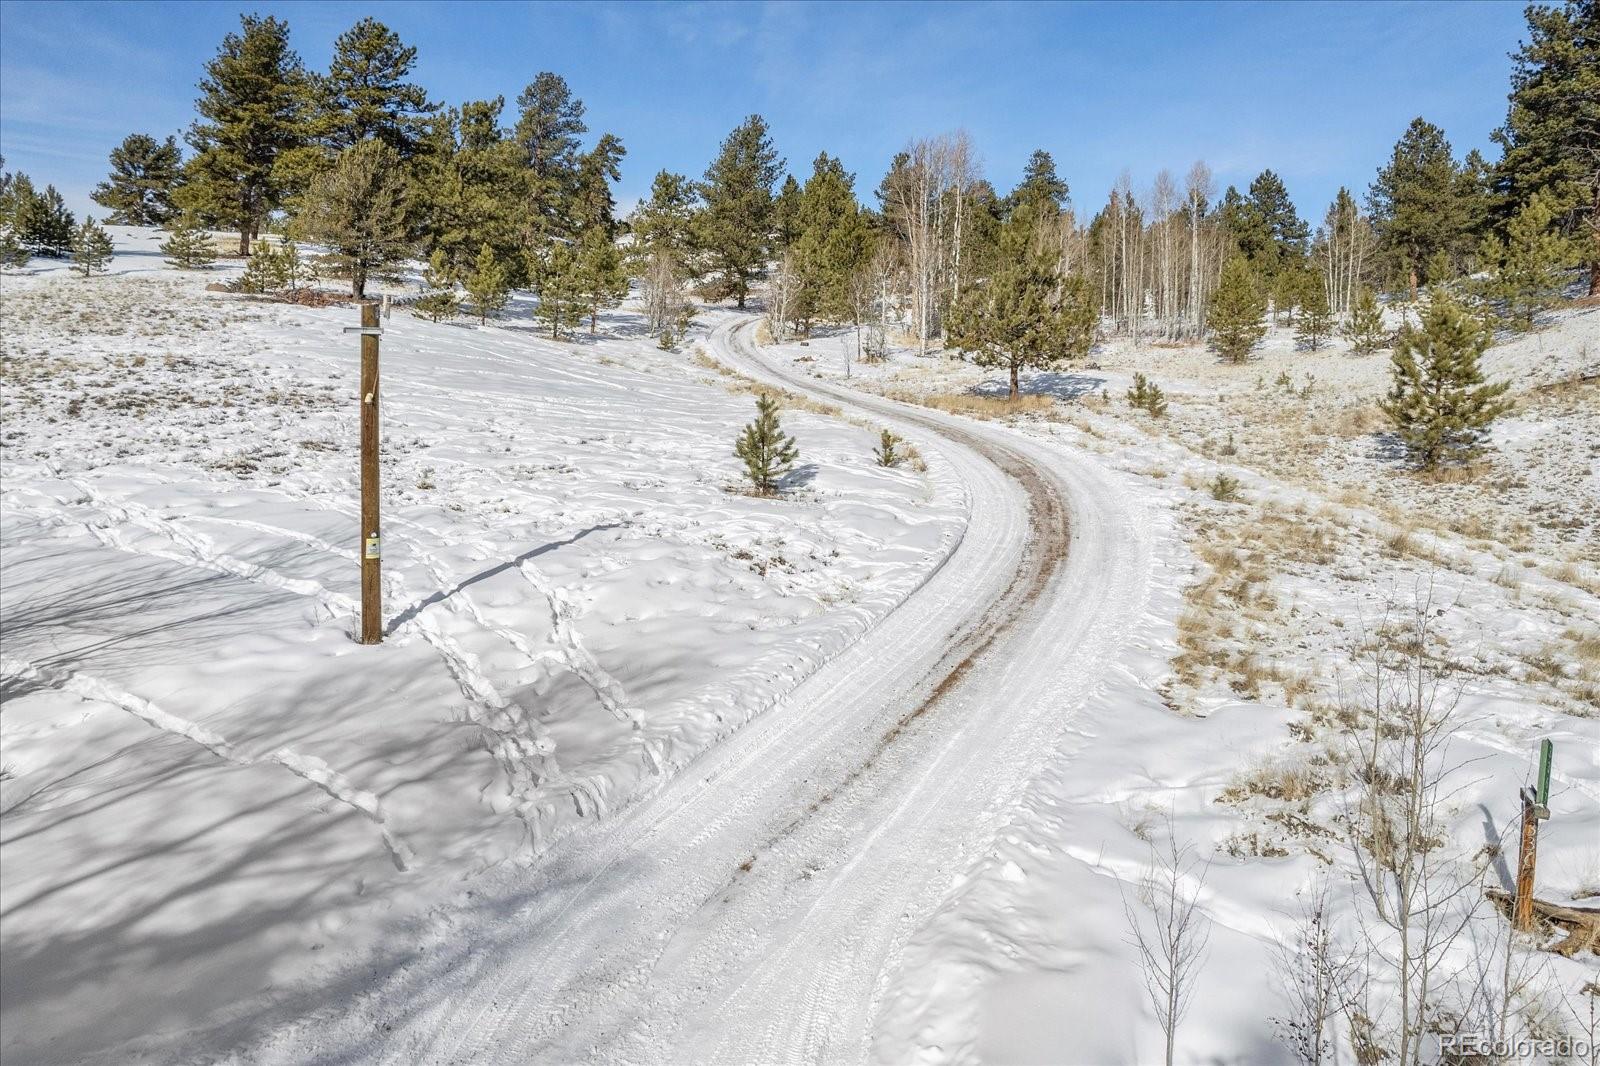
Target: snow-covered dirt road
754	908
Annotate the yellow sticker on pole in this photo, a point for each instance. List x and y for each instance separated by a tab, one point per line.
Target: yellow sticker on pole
373	549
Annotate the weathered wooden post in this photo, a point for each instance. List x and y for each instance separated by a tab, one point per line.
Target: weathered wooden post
1535	806
371	543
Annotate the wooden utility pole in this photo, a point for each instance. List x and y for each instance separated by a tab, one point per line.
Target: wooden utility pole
1535	807
371	544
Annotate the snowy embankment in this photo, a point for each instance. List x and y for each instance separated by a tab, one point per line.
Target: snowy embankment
216	803
1222	729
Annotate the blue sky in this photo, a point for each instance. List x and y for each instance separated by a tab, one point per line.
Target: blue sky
1318	92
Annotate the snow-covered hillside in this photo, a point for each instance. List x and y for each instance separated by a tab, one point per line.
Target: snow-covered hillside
209	789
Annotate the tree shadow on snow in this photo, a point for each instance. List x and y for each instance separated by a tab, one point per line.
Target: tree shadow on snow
1062	386
798	478
483	575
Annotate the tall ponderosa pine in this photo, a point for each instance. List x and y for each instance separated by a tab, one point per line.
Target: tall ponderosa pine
1416	204
251	112
365	94
1237	315
1528	264
786	214
469	188
1027	314
594	207
1439	404
189	247
1267	229
144	174
830	245
549	127
1041	188
1365	330
358	209
1316	316
487	287
91	248
1551	138
735	229
767	453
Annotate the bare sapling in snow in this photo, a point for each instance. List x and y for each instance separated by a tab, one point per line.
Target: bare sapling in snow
1169	932
783	292
1319	972
1423	891
768	454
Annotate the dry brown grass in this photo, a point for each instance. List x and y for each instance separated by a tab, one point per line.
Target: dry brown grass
736	382
975	406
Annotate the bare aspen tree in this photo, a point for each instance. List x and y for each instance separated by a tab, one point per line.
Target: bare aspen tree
1197	189
1319	974
1170	932
783	289
666	296
1422	890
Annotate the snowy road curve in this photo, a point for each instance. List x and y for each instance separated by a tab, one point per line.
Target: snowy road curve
753	908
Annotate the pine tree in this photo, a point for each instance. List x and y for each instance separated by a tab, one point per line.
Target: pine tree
767	453
189	246
1551	138
594	207
441	300
42	222
549	125
91	248
1528	264
1237	311
1416	203
251	113
734	230
358	210
888	453
1026	314
1365	330
559	283
829	247
13	253
1316	317
365	94
786	214
1439	403
602	280
267	270
1041	188
469	189
665	222
144	174
1146	395
1268	231
486	286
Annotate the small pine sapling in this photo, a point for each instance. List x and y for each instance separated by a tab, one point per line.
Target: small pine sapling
1224	488
266	271
486	285
767	453
1237	312
1316	317
91	248
1440	404
1146	395
441	300
888	450
188	247
1365	331
13	253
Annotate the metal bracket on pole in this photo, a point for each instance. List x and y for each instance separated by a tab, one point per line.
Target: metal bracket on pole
365	331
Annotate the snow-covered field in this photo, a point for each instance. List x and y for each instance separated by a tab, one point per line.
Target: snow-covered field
649	769
213	798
